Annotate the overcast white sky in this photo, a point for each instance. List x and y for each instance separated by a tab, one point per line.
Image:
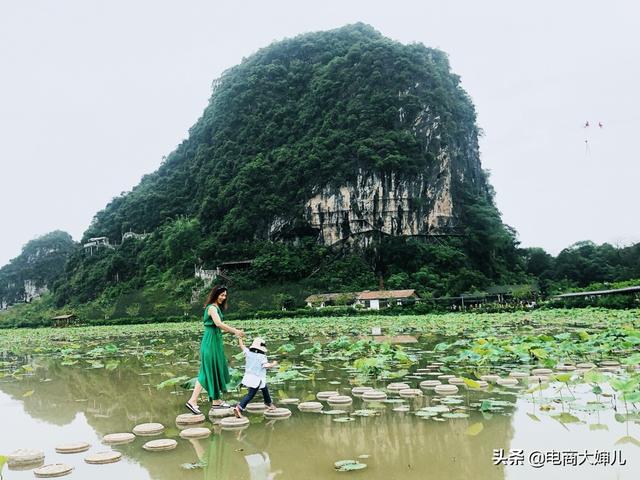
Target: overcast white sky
93	94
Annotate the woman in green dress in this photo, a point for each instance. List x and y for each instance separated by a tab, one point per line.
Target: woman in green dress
214	372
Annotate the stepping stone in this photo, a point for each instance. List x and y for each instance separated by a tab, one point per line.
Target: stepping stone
586	366
256	407
53	470
541	371
609	363
73	447
233	423
430	384
118	438
289	401
326	394
456	381
278	413
482	383
445	377
148	429
189	419
516	374
374	395
507	382
565	368
340	400
160	445
220	412
101	458
538	379
491	378
446	389
310	407
196	432
410	393
358	391
24	456
396	387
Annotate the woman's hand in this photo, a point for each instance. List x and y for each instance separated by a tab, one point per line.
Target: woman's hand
239	333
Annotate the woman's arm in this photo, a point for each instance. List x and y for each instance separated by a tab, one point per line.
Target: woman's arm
213	312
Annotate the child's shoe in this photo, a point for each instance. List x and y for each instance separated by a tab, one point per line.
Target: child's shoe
237	411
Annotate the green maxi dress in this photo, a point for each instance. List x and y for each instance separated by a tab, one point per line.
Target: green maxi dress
214	371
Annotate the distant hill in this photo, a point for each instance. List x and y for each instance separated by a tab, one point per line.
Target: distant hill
34	271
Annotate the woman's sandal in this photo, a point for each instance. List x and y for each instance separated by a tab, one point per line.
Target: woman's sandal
220	405
195	410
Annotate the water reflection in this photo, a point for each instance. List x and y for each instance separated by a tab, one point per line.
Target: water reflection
72	403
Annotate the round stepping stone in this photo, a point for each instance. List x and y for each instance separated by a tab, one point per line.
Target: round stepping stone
161	445
541	371
310	407
507	382
396	387
410	393
446	389
289	401
516	374
445	378
24	456
538	379
148	429
326	394
358	391
491	378
189	419
278	413
195	432
430	384
220	412
53	470
482	384
118	438
339	400
374	395
565	368
609	363
73	447
101	458
256	407
456	381
586	365
233	423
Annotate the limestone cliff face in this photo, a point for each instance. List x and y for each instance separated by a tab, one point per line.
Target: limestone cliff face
398	204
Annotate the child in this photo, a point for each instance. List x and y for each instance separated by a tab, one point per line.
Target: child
255	374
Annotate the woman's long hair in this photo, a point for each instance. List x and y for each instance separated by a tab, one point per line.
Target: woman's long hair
214	294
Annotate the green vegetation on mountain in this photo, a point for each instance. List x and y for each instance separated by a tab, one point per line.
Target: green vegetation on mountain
295	117
38	266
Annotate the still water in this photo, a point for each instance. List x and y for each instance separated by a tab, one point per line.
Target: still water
60	403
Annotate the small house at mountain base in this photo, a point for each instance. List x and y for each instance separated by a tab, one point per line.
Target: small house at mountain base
65	320
374	300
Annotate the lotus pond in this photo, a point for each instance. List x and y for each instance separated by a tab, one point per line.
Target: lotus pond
531	394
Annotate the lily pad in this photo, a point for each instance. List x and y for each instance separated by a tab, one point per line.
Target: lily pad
349	465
